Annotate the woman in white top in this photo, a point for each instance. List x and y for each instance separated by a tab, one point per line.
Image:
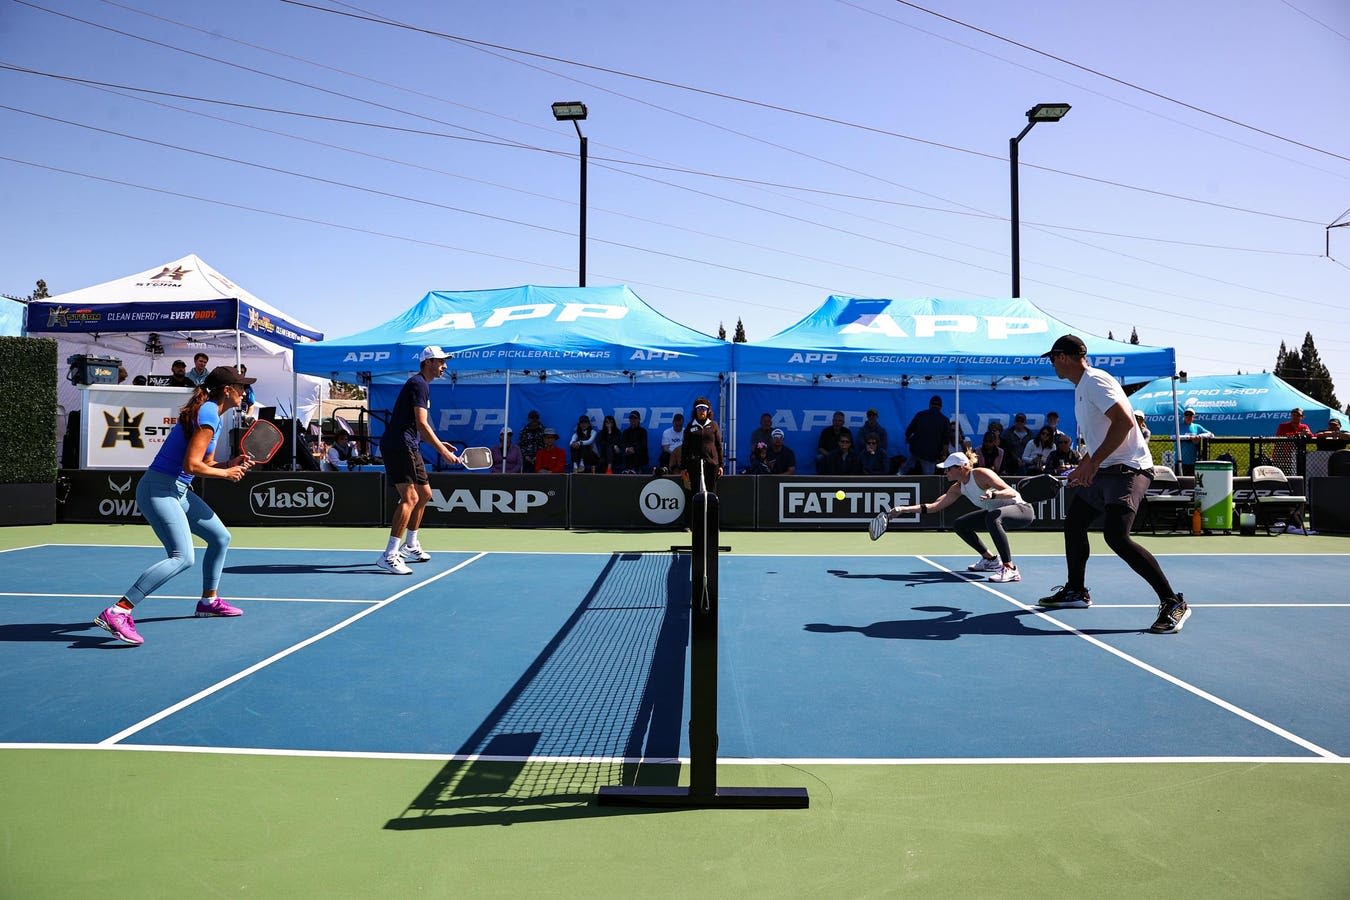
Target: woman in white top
999	508
1038	450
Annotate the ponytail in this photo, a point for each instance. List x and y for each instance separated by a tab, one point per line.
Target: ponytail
187	416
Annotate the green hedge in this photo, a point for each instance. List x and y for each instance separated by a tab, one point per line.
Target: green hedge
27	410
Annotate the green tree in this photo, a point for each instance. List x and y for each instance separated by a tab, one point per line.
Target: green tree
1289	367
1319	384
343	390
721	332
1134	335
739	337
40	293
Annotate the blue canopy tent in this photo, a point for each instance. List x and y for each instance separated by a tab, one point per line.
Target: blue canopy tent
11	317
1230	405
580	348
932	346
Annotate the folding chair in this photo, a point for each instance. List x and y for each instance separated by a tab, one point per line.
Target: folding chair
1164	501
1274	506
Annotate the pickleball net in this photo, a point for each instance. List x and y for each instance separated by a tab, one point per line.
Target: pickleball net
602	698
703	789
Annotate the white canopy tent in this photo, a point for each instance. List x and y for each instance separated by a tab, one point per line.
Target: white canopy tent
174	311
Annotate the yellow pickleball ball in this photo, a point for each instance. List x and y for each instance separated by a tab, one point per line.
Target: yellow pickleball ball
839	495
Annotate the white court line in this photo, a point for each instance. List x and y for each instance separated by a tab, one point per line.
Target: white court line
182	704
183	597
1096	605
684	760
1152	670
235	597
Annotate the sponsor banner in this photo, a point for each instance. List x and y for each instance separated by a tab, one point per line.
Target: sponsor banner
298	498
803	503
199	315
497	501
108	497
272	327
123	426
627	501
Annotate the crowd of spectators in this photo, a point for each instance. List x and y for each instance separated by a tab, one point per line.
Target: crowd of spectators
1015	450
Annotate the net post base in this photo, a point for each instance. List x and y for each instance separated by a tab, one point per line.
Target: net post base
685	798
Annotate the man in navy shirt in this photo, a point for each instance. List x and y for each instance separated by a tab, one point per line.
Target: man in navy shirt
408	426
929	439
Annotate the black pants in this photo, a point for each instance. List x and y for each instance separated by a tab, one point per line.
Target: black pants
995	521
1117	493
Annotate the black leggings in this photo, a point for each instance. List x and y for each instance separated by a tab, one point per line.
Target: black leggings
995	521
1117	520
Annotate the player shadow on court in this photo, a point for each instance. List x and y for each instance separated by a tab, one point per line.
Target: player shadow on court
302	569
957	623
913	579
81	635
601	704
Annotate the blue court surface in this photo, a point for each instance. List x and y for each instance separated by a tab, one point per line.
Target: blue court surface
585	656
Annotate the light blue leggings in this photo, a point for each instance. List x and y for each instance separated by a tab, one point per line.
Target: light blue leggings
175	513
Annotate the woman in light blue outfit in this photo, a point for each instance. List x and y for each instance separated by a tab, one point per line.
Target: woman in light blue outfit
176	513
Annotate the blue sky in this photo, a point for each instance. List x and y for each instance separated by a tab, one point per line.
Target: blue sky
746	159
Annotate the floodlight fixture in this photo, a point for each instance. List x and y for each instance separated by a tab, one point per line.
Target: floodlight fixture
1041	112
572	110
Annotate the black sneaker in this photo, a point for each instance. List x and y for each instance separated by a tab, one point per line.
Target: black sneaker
1172	614
1067	598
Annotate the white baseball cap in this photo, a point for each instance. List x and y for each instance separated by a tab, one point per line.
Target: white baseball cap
956	459
433	353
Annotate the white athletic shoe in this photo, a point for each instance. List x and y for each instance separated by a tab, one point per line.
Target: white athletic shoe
414	553
1005	574
393	564
985	565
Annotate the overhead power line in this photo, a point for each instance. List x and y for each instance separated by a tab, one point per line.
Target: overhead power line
1120	81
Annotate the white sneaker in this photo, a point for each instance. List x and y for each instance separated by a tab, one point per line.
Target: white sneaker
1005	574
394	565
985	565
414	553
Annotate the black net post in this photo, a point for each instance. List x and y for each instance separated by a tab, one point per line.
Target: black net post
703	647
703	790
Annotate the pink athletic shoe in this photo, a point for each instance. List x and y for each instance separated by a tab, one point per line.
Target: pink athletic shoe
216	607
118	622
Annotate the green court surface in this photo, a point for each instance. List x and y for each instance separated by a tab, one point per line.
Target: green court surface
127	823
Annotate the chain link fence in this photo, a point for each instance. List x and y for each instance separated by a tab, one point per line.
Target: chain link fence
1294	456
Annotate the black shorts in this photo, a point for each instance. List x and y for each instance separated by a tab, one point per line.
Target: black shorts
1119	484
404	466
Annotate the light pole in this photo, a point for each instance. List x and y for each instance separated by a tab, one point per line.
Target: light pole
1041	112
574	111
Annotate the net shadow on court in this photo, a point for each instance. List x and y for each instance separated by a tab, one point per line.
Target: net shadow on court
604	693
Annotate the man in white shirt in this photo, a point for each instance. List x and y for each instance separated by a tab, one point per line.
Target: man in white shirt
1112	479
671	438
